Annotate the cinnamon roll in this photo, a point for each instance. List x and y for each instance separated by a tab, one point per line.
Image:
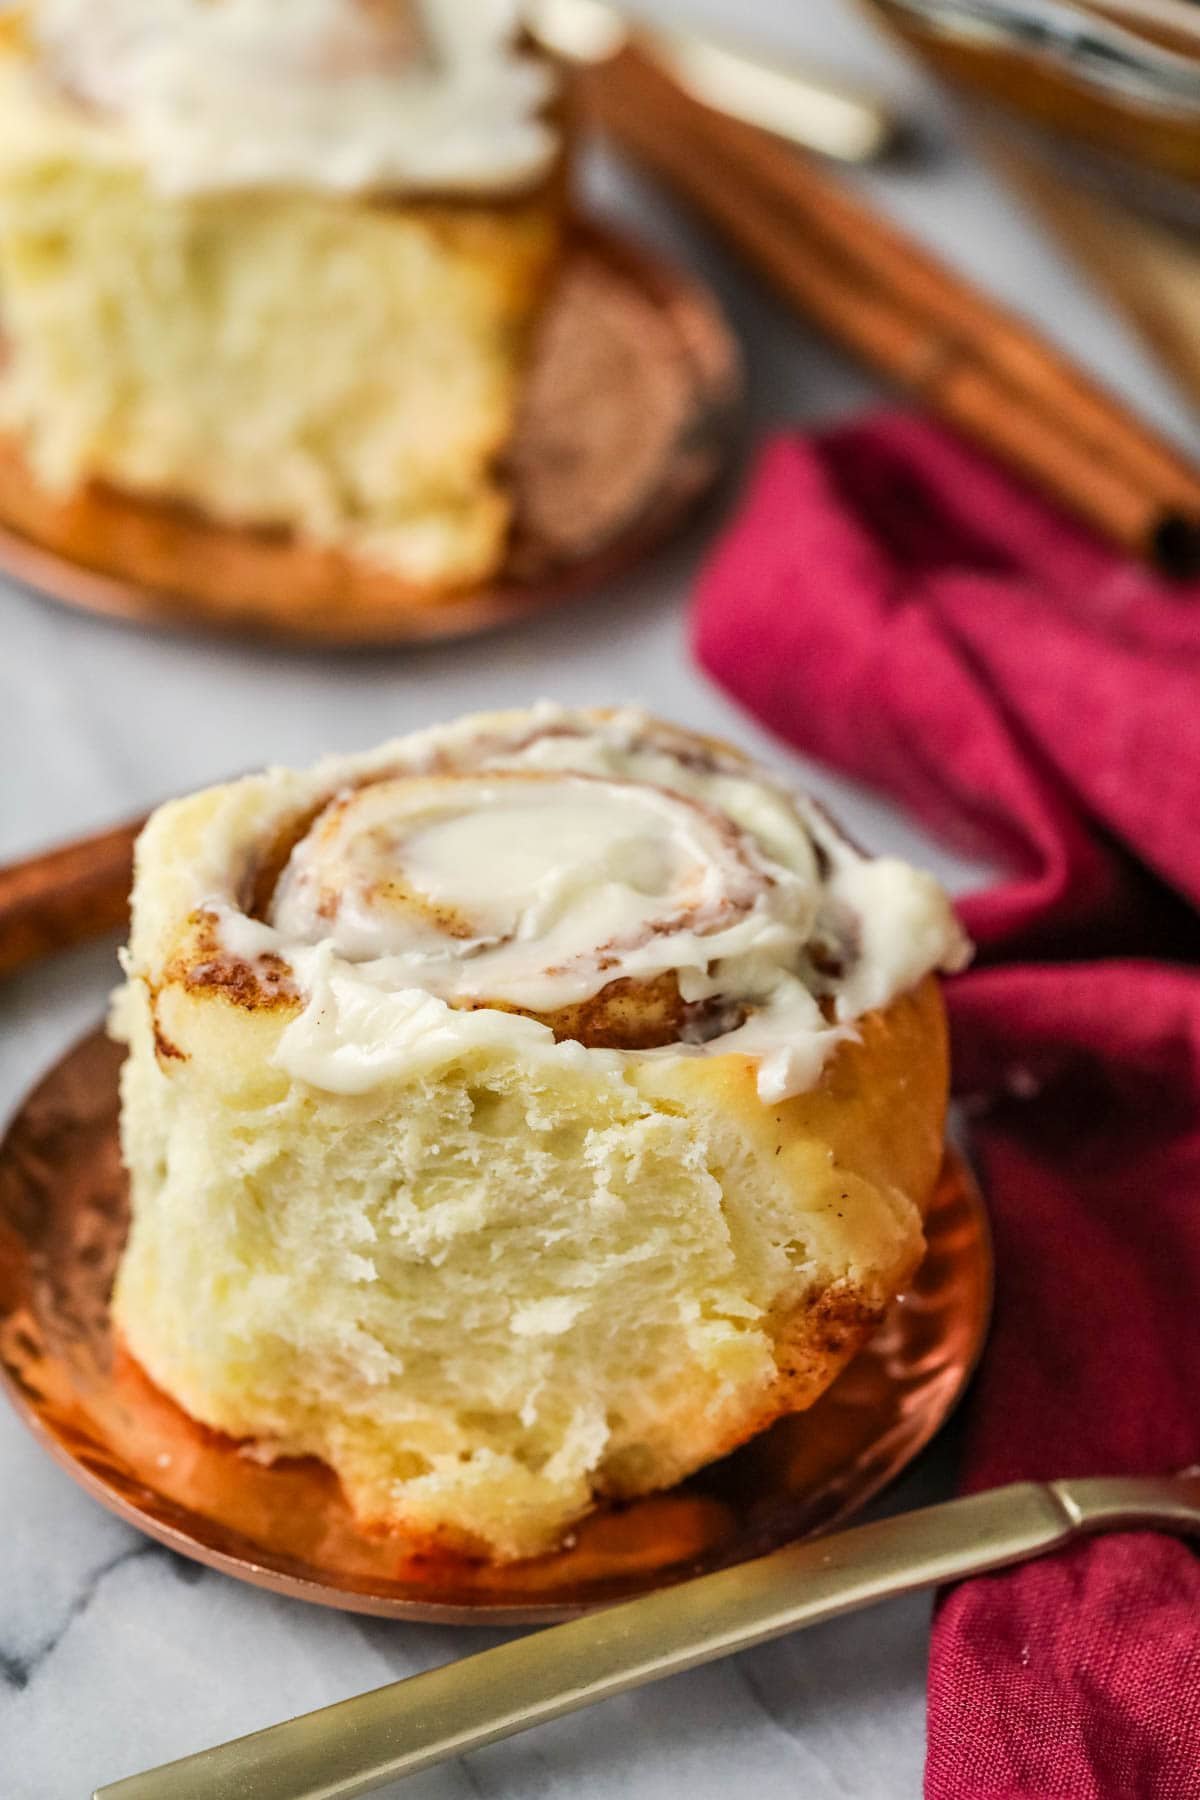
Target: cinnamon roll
275	263
522	1114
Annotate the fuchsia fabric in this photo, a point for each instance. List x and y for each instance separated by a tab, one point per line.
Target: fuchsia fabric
893	603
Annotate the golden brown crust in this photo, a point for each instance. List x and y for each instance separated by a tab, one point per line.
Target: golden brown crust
270	858
624	1015
202	966
812	1348
218	574
14	31
879	1106
165	1048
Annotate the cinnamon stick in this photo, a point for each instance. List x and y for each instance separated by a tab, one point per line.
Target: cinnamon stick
65	896
904	313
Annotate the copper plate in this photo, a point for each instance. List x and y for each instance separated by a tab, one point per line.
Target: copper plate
287	1527
624	423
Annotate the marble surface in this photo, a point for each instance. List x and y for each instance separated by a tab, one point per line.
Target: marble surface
114	1654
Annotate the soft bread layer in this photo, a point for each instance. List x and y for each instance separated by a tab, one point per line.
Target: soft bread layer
489	1294
337	369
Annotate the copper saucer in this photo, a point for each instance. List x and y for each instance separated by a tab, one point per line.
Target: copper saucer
625	421
286	1527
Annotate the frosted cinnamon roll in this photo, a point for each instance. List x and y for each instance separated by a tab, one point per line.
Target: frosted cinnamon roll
276	262
522	1114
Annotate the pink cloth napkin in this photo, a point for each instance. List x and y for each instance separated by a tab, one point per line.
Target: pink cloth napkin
894	603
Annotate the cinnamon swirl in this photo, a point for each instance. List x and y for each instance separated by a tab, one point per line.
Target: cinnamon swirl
275	262
521	1114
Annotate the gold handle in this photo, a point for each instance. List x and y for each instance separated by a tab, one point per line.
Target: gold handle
397	1730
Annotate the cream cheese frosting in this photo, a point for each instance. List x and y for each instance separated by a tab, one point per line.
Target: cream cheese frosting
536	887
528	860
417	96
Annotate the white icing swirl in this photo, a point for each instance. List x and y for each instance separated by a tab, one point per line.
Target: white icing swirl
530	860
418	96
536	887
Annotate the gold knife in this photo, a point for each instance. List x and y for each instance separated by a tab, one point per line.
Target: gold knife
816	113
362	1743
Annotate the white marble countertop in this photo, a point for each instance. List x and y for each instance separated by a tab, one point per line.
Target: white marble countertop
114	1654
